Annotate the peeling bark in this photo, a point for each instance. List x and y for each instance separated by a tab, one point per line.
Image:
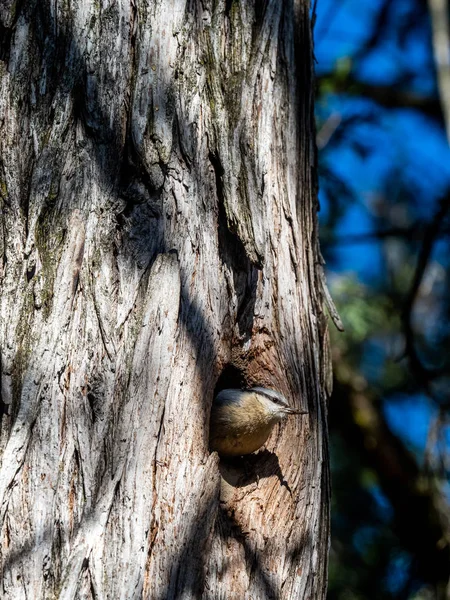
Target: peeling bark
158	242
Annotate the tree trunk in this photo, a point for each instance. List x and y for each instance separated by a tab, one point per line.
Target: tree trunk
158	243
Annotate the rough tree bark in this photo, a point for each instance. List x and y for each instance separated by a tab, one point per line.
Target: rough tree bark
158	242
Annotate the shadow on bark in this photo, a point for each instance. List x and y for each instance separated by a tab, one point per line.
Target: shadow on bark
121	169
245	470
227	528
187	571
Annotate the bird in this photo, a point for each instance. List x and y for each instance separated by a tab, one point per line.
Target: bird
242	420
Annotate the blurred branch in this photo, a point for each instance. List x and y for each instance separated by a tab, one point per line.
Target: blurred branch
423	374
420	513
333	9
326	131
378	30
434	431
441	49
386	95
313	14
414	233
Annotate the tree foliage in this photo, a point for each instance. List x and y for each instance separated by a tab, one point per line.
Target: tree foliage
385	198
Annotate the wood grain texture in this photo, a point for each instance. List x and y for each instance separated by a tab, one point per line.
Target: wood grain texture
158	232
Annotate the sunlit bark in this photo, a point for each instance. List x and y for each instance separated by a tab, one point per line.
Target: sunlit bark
158	239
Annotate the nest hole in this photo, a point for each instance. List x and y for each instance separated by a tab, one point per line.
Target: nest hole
230	378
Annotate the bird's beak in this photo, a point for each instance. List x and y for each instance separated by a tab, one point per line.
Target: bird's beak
295	411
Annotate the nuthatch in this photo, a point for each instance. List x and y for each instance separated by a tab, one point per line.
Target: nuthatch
241	420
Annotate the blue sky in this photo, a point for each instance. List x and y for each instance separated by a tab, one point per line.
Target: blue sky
404	51
394	163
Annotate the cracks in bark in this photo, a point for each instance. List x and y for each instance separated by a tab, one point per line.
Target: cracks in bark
78	473
139	220
6	487
183	150
95	390
5	207
190	559
233	254
228	528
5	42
136	186
78	260
228	5
154	524
4	406
101	327
134	24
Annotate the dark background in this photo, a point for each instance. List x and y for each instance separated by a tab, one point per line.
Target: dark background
384	164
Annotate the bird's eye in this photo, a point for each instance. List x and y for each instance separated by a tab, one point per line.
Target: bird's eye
272	396
281	403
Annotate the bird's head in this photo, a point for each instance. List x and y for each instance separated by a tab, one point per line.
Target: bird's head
274	403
